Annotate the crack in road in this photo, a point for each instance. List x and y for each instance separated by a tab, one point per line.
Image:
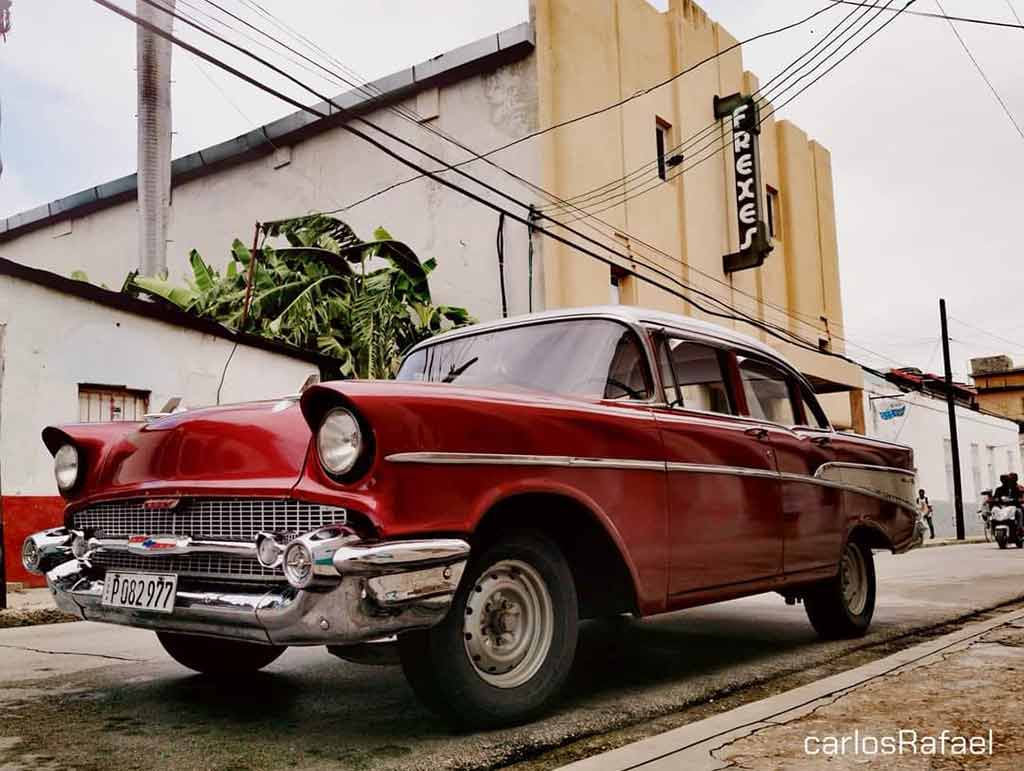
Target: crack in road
72	653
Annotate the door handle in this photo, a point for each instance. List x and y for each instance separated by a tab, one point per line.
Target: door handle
757	433
822	441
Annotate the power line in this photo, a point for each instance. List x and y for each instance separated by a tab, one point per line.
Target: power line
644	188
765	326
795	338
981	72
943	15
1017	346
612	106
762	96
761	301
467	193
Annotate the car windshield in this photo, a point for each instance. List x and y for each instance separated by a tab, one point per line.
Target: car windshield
592	358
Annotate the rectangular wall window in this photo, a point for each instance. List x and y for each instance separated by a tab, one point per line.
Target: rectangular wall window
104	403
976	469
662	146
773	212
992	479
947	452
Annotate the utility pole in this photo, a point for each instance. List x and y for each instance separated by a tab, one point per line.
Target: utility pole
954	442
153	75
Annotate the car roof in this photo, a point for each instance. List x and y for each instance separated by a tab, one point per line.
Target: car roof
628	314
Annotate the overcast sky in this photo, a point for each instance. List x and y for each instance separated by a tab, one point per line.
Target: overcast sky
928	169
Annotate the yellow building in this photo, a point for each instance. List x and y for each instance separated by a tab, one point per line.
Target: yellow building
1000	386
571	58
591	53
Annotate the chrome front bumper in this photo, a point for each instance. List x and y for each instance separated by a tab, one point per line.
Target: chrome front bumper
379	589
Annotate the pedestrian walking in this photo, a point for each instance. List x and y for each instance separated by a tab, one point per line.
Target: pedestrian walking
924	508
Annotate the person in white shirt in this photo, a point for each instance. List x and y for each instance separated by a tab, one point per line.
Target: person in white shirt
924	508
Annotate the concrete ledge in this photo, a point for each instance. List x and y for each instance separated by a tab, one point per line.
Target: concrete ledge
931	542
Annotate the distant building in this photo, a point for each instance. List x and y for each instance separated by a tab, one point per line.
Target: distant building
1000	386
72	352
622	165
909	407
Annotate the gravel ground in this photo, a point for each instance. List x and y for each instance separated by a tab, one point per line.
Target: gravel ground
967	693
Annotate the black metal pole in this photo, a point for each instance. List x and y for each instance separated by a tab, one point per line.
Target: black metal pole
954	441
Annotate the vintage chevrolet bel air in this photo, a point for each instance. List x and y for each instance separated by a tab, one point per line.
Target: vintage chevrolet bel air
518	476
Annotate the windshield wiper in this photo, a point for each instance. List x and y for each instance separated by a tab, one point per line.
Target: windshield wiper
457	371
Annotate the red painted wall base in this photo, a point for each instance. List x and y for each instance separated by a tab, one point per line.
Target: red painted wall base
24	515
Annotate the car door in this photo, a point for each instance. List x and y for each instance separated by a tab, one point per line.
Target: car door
811	510
723	489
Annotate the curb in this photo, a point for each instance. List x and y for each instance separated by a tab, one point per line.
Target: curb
933	543
690	746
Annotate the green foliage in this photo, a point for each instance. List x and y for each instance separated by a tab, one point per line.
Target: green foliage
360	302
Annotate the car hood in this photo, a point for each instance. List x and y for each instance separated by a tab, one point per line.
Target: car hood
253	449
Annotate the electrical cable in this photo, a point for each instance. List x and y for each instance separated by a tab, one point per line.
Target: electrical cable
280	25
724	141
789	336
969	19
981	72
606	108
440	180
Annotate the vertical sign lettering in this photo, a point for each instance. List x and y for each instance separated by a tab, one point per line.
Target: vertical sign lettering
744	123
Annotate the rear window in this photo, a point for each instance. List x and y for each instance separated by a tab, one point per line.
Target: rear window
592	358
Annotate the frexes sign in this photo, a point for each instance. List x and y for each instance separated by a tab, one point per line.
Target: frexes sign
754	246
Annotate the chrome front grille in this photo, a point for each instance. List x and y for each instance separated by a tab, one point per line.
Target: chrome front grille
218	566
232	519
223	519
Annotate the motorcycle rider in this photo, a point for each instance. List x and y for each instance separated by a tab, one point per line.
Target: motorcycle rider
1009	489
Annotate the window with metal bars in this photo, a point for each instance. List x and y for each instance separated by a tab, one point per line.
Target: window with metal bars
105	403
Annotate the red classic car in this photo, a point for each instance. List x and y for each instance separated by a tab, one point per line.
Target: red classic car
518	476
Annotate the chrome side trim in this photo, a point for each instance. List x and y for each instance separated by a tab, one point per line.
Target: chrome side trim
504	459
824	468
739	471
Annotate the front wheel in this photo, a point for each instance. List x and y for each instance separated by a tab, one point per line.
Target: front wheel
213	656
842	607
1002	539
504	650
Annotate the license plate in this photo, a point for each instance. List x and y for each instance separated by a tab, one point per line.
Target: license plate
140	591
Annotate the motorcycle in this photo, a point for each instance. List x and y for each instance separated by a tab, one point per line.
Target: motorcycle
1006	522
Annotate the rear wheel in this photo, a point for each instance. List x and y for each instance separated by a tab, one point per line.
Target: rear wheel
504	650
213	656
842	607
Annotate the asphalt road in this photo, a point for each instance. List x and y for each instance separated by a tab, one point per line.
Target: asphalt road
93	696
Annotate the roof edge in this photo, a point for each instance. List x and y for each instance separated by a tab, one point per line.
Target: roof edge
495	49
154	311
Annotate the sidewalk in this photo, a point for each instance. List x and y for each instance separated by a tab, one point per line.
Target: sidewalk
966	684
31	606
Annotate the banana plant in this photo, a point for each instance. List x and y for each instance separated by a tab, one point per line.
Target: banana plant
360	302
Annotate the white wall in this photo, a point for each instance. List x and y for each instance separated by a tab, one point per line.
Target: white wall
922	422
334	169
52	342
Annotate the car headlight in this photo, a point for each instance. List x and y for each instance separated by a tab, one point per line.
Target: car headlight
339	441
66	467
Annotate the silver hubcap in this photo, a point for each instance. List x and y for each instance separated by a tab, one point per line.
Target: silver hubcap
509	624
853	575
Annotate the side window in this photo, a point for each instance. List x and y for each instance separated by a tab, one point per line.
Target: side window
814	416
627	375
767	391
698	371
